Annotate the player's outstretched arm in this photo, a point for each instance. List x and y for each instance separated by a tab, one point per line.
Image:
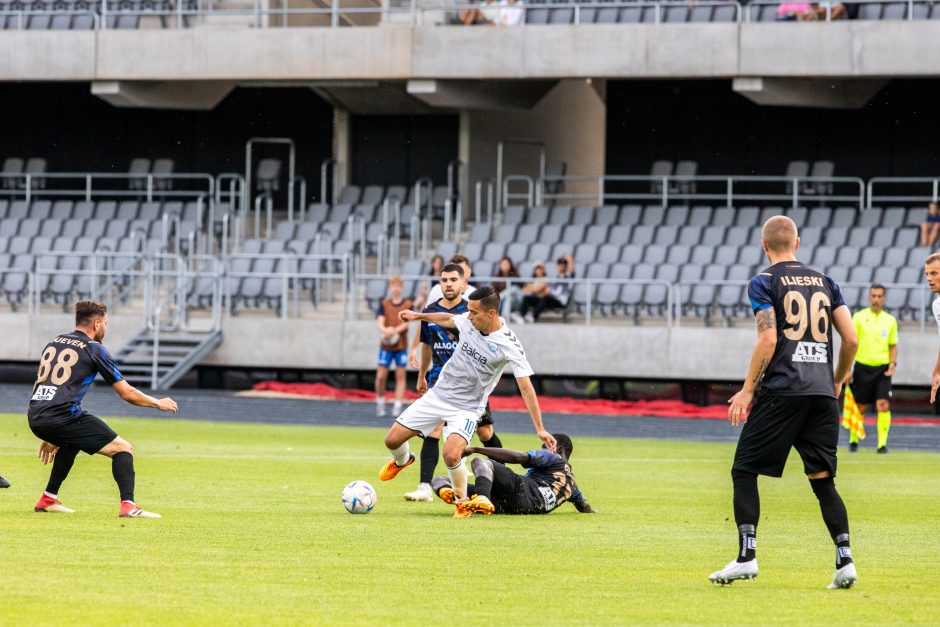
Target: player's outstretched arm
439	318
842	321
584	507
425	366
502	455
527	390
132	395
760	358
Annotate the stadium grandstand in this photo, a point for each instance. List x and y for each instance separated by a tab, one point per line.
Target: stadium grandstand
274	164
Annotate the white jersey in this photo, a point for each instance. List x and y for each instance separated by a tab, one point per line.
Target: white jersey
469	376
437	293
936	310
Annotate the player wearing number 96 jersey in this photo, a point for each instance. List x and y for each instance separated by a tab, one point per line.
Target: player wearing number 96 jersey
791	370
67	368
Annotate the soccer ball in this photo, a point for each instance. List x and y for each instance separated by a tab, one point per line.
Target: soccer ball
359	497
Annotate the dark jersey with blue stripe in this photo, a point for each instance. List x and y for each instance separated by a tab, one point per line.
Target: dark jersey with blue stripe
67	368
443	342
549	481
803	301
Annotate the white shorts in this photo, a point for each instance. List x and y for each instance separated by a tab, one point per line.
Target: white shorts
429	411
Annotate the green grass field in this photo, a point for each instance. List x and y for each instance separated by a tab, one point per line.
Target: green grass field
254	532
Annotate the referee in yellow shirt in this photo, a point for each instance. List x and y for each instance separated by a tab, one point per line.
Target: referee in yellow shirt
875	362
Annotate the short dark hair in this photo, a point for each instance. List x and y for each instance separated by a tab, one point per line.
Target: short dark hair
87	310
488	297
458	258
877	286
564	443
453	267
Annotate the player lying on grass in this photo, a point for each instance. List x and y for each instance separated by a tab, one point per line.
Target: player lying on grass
69	364
498	490
486	347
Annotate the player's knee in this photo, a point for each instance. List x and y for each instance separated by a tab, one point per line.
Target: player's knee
824	474
452	457
882	405
485	432
481	465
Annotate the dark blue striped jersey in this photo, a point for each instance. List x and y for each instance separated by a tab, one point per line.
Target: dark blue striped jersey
803	301
67	368
442	341
549	481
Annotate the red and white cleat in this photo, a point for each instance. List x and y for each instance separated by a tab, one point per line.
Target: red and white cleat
130	510
51	505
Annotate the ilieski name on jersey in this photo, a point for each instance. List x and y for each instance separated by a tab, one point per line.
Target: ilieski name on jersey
815	352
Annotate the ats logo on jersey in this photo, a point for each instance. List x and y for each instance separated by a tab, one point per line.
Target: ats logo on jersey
815	352
480	357
44	393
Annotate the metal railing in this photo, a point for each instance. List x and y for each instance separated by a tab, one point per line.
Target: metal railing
92	185
22	21
730	190
919	189
825	13
188	14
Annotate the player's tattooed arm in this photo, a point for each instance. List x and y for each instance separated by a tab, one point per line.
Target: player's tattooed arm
766	319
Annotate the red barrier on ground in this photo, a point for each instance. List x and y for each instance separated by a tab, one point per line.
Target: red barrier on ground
549	404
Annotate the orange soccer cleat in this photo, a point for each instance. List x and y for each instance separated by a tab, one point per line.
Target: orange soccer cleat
479	504
391	469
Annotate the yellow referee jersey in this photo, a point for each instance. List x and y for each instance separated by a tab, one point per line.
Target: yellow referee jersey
876	334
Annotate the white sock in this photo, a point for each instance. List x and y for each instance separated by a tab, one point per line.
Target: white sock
458	479
380	400
51	495
401	454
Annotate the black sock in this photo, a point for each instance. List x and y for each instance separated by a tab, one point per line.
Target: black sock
430	451
493	442
61	465
746	513
122	467
835	517
483	486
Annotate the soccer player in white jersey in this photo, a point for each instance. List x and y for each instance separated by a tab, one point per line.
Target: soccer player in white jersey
486	347
932	271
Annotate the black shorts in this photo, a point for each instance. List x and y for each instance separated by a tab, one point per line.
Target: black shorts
85	432
486	418
869	383
810	424
509	495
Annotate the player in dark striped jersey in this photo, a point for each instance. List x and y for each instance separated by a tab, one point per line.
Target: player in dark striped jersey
67	368
791	371
547	484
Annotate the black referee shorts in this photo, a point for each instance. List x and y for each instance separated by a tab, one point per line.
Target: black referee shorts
776	423
870	384
85	432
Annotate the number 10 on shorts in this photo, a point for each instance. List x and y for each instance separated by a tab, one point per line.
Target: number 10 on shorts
470	428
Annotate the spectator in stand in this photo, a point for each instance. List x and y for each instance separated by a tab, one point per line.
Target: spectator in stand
511	13
437	266
930	228
393	346
507	268
541	296
483	13
793	11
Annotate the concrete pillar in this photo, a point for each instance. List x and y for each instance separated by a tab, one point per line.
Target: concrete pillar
341	148
570	121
